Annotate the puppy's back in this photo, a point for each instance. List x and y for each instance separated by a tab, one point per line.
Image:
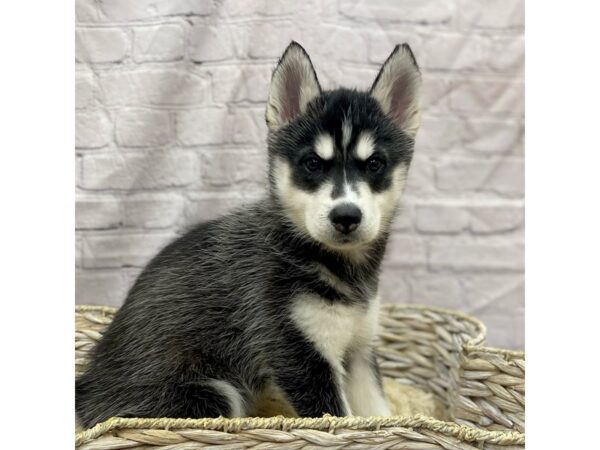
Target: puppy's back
178	324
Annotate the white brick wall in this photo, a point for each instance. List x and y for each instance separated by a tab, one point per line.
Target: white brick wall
170	130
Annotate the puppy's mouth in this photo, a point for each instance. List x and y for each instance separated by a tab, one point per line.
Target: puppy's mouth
345	241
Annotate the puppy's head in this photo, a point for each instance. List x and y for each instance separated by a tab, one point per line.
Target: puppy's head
339	159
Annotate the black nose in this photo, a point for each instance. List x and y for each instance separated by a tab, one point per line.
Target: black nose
345	217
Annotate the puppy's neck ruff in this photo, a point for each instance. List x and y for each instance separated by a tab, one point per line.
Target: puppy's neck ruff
351	265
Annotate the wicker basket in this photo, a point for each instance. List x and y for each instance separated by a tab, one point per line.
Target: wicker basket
481	388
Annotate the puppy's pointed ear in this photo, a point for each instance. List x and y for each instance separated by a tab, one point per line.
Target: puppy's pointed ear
293	85
397	89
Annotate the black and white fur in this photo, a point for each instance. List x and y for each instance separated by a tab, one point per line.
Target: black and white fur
282	293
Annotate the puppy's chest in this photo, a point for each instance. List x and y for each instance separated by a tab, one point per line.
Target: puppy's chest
333	328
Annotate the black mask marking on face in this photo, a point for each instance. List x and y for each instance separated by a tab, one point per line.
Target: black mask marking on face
330	113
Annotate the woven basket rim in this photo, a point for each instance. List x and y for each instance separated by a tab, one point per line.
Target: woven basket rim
100	308
474	344
327	423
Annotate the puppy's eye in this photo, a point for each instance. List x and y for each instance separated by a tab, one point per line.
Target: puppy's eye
313	164
375	164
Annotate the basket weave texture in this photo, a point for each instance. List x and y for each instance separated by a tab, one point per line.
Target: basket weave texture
439	351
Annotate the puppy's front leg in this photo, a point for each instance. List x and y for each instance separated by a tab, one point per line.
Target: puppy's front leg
311	384
364	387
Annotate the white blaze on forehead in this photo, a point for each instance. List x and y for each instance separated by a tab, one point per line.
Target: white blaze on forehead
324	146
346	133
365	145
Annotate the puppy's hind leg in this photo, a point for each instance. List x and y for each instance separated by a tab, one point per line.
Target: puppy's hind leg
237	403
207	398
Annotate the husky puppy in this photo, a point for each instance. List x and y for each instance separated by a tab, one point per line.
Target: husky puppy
282	293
